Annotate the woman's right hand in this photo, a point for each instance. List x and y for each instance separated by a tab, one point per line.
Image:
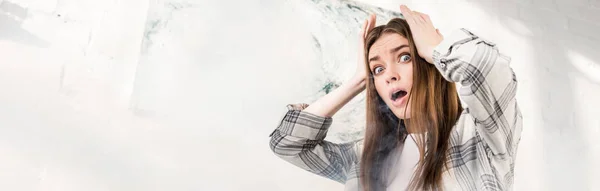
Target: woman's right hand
361	71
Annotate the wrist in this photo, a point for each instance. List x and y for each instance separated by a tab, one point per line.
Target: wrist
428	54
358	83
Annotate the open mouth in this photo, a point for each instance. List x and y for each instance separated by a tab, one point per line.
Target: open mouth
398	94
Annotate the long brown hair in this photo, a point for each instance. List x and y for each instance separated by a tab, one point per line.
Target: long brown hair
435	108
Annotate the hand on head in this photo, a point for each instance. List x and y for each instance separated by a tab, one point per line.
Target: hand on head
361	70
426	36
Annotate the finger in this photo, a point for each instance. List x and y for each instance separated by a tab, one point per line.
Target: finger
367	28
364	28
373	20
419	16
412	18
405	11
407	14
426	17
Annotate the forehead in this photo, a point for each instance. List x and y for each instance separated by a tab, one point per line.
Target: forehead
385	43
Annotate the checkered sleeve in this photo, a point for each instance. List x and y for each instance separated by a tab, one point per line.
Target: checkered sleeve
487	86
299	139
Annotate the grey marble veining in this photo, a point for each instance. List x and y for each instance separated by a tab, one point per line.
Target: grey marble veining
322	33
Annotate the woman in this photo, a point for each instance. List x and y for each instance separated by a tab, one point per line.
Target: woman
419	135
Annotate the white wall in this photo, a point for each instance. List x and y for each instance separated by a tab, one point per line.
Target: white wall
87	103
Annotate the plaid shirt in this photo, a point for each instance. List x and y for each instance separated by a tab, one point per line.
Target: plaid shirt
484	141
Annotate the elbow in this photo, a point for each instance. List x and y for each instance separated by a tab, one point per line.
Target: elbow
275	140
283	147
274	144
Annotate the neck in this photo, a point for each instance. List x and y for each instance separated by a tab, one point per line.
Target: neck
410	130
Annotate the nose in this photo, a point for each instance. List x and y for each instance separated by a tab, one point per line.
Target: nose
392	76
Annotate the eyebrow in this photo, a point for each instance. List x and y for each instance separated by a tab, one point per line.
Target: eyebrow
398	48
392	51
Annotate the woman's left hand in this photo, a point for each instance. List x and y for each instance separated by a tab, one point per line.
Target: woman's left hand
426	36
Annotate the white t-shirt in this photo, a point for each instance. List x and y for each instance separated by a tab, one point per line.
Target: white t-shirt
402	162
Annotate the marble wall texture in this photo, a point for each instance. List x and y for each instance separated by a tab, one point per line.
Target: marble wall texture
182	94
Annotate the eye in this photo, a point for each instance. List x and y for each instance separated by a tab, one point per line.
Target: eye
376	70
404	58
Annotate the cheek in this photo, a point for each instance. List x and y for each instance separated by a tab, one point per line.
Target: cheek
378	85
408	73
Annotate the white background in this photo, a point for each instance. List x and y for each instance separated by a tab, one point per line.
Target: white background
137	95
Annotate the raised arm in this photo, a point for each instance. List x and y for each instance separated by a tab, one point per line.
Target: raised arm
488	86
299	138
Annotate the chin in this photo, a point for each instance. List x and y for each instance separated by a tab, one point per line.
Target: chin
399	112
